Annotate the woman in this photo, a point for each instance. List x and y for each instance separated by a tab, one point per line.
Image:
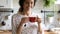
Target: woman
21	24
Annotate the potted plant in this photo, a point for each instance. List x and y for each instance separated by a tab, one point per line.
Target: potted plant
48	2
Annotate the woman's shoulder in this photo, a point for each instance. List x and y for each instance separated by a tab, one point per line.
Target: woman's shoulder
15	15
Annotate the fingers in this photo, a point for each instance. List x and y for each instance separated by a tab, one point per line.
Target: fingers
24	20
38	19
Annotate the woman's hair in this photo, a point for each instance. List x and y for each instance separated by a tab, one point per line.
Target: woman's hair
21	2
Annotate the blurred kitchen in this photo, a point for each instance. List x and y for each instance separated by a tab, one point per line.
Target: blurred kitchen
50	15
5	19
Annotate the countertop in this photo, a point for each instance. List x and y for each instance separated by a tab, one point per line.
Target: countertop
5	32
49	33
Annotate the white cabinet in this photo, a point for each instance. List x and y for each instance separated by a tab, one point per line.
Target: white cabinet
3	13
6	3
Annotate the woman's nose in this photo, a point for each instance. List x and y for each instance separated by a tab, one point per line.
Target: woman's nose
29	5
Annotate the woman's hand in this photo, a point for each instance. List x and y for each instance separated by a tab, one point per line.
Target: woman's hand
39	25
24	20
38	20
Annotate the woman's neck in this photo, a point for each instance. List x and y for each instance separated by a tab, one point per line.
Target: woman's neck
26	13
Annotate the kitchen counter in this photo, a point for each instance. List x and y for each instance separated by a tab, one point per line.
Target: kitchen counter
5	32
49	33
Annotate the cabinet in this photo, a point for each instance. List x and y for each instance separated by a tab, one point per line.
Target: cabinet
6	4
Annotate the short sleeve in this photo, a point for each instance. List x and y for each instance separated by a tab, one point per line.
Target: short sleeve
14	24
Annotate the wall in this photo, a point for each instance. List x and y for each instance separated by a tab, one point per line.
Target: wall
6	3
38	7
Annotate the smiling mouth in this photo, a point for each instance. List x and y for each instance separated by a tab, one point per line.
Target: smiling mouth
29	7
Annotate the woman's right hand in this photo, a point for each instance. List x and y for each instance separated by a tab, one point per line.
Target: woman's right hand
24	20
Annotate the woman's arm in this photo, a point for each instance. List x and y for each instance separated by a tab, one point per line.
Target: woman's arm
39	28
39	25
19	29
15	29
20	26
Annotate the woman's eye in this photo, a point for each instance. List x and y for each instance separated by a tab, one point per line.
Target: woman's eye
31	2
26	2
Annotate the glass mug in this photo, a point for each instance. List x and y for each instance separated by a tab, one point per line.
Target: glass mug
32	19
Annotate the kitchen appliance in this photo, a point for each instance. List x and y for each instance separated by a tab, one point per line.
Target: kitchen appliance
5	23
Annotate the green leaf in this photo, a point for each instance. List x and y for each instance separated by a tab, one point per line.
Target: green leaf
48	2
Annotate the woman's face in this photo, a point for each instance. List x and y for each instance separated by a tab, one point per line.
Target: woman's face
28	4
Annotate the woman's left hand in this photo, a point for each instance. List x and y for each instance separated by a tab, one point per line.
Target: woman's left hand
38	20
39	25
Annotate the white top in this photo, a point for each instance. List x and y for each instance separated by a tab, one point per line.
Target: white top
30	28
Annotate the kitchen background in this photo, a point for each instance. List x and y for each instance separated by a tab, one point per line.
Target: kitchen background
39	9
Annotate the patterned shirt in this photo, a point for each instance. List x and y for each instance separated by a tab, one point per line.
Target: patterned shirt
28	28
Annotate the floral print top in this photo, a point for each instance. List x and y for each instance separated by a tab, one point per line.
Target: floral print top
28	28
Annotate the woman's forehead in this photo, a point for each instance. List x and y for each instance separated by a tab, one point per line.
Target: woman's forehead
29	0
